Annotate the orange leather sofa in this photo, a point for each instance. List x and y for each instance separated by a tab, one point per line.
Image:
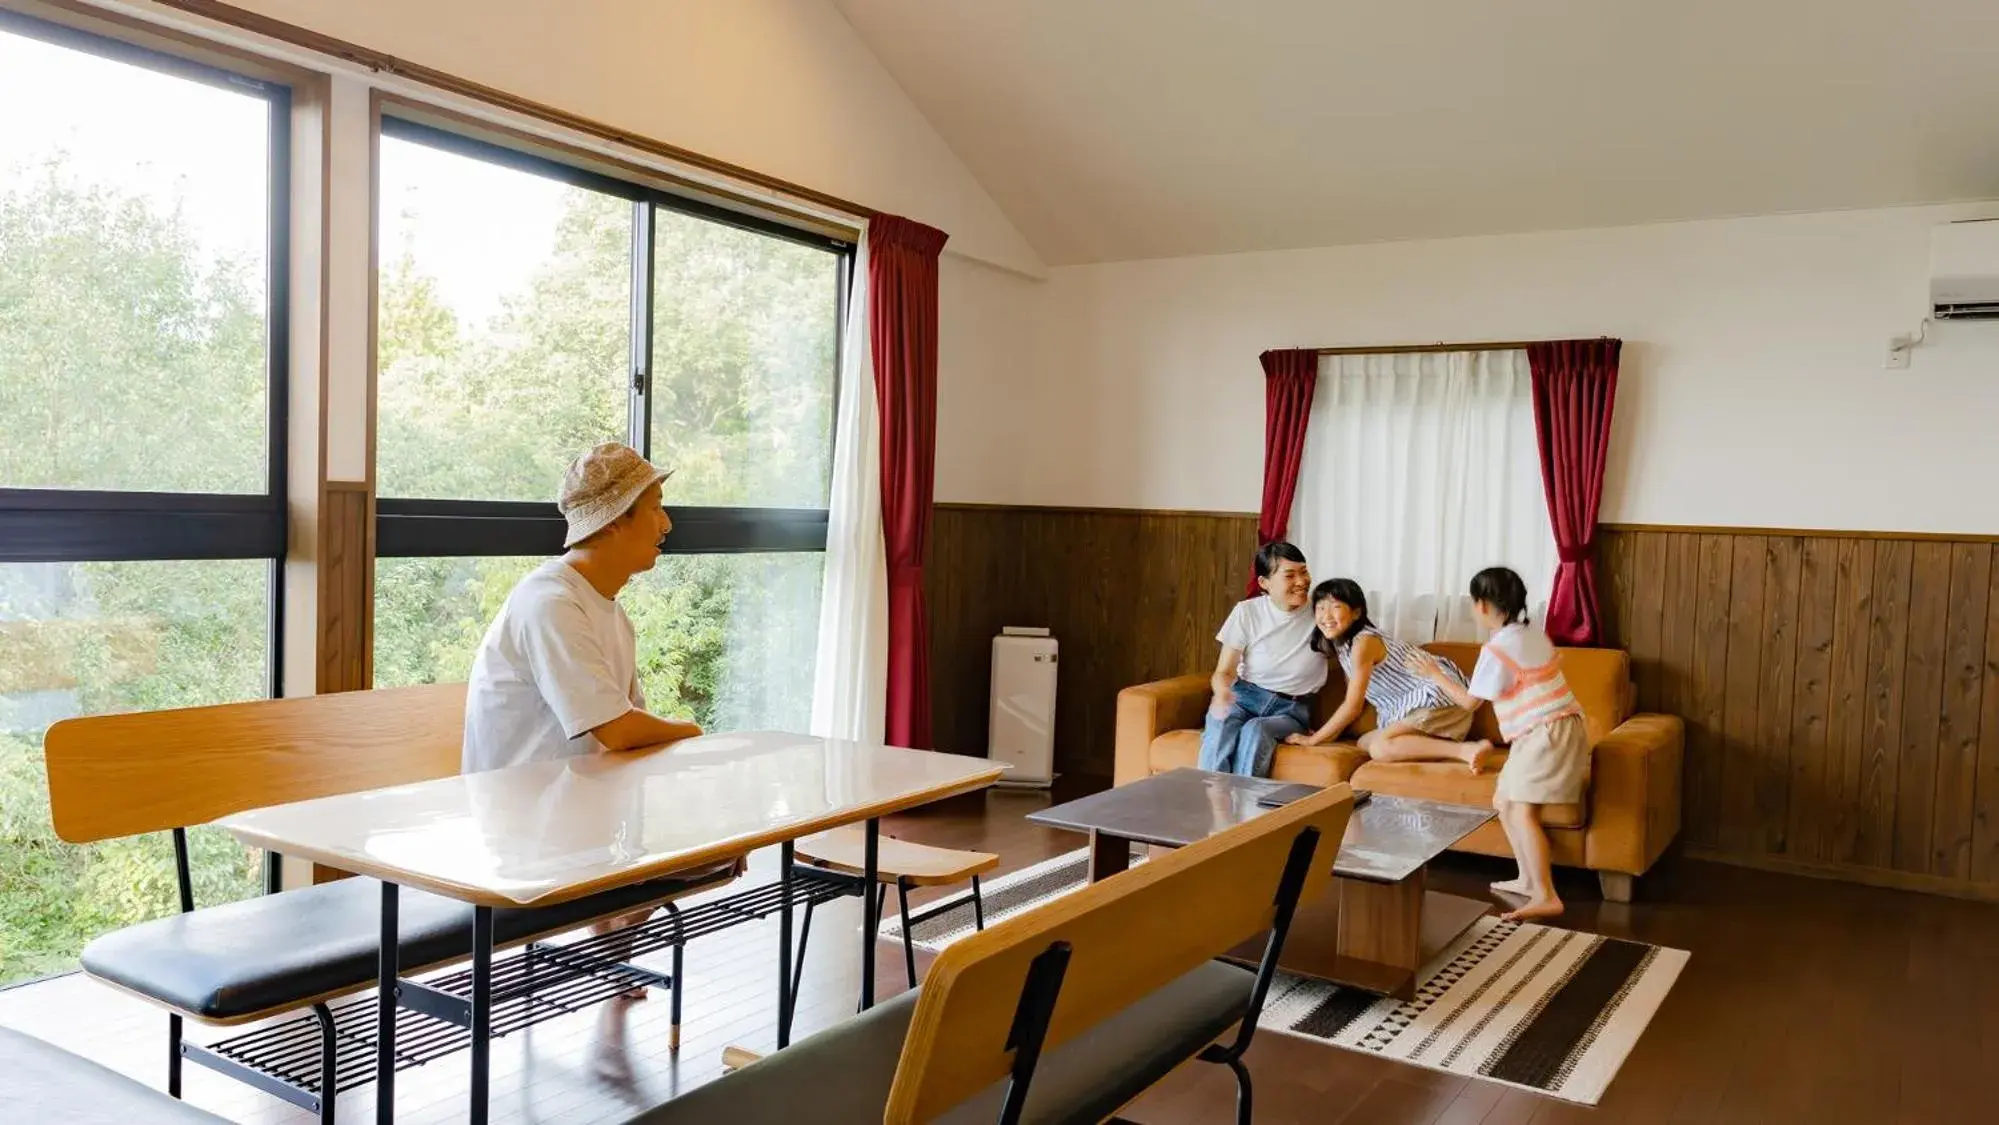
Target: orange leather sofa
1629	815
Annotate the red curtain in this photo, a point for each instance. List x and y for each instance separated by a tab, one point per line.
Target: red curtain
1575	387
902	328
1289	378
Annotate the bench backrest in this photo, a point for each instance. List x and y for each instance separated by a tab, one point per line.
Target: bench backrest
122	775
1128	936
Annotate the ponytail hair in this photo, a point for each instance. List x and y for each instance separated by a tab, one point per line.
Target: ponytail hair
1503	590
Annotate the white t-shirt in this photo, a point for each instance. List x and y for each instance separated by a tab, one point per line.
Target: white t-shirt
1525	645
560	661
1276	647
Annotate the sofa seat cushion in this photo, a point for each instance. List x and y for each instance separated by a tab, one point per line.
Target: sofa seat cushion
47	1085
842	1075
1312	765
229	962
1452	782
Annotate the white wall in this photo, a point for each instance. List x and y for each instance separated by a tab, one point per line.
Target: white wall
783	87
1753	392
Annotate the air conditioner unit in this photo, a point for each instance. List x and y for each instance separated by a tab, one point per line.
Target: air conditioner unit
1964	270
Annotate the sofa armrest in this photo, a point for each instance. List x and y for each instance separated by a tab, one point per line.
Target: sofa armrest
1149	710
1635	794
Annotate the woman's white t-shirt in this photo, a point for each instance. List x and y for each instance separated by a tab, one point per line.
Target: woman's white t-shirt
560	661
1276	647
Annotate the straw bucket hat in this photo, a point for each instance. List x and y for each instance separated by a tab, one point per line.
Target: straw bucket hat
602	485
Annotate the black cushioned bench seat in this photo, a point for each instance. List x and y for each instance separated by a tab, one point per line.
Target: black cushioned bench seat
229	962
841	1076
46	1085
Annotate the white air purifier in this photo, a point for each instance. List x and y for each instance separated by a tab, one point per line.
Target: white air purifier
1022	715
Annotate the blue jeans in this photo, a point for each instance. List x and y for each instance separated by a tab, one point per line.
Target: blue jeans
1243	740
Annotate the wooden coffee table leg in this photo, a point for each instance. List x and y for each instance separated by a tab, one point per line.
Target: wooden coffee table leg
1381	934
1108	855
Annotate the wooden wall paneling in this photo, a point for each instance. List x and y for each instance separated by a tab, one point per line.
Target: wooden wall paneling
1771	747
1674	678
1811	696
1958	719
1888	649
1709	681
1922	703
1841	690
1846	722
1742	683
1645	635
1985	816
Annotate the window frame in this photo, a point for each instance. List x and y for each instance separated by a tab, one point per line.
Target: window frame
43	525
441	527
95	525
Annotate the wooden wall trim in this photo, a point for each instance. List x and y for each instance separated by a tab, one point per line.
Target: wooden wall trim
1064	510
1814	533
1847	873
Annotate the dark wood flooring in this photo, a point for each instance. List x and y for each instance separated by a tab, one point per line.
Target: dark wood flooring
1804	1001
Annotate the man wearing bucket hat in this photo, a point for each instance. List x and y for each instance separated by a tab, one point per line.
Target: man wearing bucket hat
557	675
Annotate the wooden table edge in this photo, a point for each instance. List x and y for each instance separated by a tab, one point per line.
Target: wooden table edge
716	853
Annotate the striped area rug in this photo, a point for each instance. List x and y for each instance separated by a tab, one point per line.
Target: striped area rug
1544	1009
1548	1010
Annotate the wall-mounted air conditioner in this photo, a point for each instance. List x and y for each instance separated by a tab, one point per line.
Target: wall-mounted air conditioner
1964	270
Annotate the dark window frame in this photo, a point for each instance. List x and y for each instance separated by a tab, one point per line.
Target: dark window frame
409	527
41	525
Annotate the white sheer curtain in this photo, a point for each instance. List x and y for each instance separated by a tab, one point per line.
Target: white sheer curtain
850	676
1420	469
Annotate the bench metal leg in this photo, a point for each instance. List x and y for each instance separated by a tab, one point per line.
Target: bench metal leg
329	1064
785	854
679	976
1242	1090
871	907
908	940
978	906
482	1009
385	1012
173	1055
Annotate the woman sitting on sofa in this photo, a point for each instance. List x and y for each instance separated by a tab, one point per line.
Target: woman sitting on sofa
1415	720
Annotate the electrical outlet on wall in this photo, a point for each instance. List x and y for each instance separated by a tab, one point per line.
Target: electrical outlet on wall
1899	348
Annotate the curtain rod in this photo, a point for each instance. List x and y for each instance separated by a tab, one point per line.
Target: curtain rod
297	36
1397	349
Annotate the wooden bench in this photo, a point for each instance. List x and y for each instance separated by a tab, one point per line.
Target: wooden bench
124	775
1066	1012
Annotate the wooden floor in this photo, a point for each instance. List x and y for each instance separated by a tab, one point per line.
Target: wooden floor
1804	1001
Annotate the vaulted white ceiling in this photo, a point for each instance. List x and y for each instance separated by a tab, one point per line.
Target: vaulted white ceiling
1115	129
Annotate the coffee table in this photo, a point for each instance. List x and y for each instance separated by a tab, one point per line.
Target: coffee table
1377	926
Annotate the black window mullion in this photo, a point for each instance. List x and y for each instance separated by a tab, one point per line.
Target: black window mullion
640	424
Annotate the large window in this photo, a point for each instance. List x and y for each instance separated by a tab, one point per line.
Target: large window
142	239
528	310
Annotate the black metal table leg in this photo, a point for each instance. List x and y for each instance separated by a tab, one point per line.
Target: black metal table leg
482	1009
871	892
385	1012
784	946
908	938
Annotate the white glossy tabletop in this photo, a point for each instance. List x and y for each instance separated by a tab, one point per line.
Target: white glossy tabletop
550	831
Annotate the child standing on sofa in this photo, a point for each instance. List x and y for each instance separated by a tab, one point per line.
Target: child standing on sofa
1547	762
1268	672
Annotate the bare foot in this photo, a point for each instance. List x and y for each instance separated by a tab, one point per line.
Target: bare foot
1549	907
1478	754
1515	887
634	995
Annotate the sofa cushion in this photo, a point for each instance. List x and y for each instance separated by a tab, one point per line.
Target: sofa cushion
841	1076
47	1085
1599	677
1312	765
1453	783
238	959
